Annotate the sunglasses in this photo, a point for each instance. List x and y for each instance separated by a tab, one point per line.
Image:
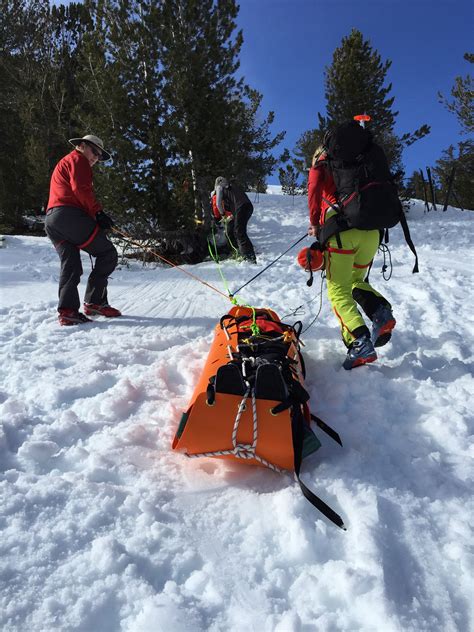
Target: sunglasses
97	153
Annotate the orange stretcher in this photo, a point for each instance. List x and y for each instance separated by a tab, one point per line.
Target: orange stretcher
250	402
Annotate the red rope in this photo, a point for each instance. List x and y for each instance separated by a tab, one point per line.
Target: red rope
174	265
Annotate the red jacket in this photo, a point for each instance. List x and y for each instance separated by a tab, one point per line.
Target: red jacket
320	185
71	184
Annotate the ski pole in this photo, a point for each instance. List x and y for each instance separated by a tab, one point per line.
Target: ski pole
268	266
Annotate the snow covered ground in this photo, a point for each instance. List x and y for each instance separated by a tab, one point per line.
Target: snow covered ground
104	528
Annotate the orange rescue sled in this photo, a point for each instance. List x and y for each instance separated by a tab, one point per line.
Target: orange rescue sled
250	402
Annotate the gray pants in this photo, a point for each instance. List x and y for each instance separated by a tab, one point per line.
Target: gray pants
68	228
238	230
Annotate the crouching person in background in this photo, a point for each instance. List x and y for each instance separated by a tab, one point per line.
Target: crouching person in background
75	221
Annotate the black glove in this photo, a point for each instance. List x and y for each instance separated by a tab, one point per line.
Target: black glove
104	220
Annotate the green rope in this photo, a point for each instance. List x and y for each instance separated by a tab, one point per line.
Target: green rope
233	299
226	231
254	327
215	258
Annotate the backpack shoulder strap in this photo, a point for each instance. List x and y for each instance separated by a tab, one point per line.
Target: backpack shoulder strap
408	239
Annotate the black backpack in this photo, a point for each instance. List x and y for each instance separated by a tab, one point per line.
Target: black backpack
366	193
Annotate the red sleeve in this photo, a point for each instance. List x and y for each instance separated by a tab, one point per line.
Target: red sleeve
81	185
315	192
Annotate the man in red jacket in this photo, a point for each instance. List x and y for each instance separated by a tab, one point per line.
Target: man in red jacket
75	221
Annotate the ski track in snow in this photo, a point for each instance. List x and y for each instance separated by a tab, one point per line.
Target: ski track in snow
104	528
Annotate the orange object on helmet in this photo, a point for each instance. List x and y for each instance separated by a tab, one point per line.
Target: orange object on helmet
311	259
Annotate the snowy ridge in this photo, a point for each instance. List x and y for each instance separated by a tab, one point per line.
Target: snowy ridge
104	528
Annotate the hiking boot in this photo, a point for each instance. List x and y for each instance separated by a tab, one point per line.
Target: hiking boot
72	317
383	323
101	310
360	352
250	259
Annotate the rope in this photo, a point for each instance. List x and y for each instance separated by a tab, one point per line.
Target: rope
174	265
299	311
386	255
215	258
243	450
232	297
226	231
320	305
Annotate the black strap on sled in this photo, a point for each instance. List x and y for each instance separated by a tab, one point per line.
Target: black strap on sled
327	429
297	430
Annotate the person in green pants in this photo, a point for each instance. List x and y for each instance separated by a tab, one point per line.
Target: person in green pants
348	256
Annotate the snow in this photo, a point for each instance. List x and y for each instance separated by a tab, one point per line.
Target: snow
105	528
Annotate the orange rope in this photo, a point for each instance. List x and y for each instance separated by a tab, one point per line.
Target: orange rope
130	239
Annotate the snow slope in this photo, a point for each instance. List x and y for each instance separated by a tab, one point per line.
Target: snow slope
104	528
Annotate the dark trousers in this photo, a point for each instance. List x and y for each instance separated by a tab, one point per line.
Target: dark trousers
238	230
68	228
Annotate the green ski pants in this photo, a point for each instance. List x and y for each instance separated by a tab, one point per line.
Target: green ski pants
347	265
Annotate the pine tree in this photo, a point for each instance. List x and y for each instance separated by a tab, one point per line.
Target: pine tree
463	94
172	108
414	187
13	199
122	103
38	51
463	163
156	80
215	122
355	83
289	180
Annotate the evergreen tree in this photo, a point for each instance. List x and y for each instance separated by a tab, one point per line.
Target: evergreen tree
463	164
121	102
215	116
155	79
414	187
463	99
355	84
38	48
12	168
304	150
172	108
463	185
289	180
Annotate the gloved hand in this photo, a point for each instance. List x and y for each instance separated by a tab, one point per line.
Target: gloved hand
316	246
104	221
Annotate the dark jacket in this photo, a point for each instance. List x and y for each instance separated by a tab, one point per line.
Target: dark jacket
231	198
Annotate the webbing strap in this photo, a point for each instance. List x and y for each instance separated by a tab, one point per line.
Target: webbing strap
320	505
406	234
327	429
90	239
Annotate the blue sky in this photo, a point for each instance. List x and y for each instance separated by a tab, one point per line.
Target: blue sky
288	44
